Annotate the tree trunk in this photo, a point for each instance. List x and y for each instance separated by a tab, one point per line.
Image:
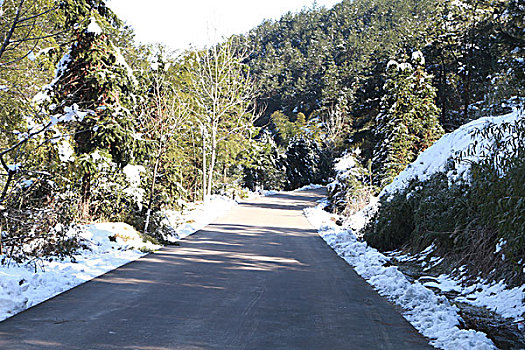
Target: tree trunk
224	177
213	158
86	195
204	165
152	189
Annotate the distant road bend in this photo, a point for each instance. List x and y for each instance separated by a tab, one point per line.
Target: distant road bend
259	278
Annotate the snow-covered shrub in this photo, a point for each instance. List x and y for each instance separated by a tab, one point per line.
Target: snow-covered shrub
35	222
408	122
351	189
116	194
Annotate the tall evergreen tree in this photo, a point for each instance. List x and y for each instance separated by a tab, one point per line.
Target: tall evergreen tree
408	122
95	84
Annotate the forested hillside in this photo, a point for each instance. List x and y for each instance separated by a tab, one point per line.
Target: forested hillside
333	64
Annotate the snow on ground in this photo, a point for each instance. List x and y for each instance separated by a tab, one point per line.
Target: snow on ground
309	187
109	245
432	315
21	287
358	221
495	296
194	218
247	194
435	158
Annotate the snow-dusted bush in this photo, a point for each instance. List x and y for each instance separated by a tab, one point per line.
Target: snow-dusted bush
467	200
351	189
36	219
117	194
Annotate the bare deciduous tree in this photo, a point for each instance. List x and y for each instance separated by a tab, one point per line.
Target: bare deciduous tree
168	111
223	100
334	122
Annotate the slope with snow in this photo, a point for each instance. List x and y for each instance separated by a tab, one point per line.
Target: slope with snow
436	157
433	315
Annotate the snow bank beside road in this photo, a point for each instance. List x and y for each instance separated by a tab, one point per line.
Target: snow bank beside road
109	245
436	157
432	315
194	218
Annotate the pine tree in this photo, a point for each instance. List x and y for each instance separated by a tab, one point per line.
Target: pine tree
96	84
409	119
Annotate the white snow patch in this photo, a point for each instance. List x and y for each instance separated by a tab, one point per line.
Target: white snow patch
246	194
432	315
31	56
14	167
435	158
65	151
404	66
509	303
309	187
93	27
122	61
193	218
72	113
22	288
134	190
392	63
443	282
358	221
417	57
500	245
345	163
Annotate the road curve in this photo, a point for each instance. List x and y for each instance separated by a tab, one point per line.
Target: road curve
259	278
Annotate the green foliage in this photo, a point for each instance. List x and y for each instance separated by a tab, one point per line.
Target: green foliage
267	166
408	122
419	214
287	130
309	60
96	87
307	163
497	181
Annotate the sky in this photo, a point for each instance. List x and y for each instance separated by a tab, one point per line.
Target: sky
181	23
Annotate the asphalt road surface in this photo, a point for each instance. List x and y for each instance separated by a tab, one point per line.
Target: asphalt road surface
259	278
